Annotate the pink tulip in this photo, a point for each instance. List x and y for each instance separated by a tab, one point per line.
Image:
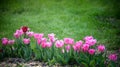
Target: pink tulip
26	41
18	33
91	42
38	36
112	57
43	45
101	48
51	37
4	41
91	51
69	41
30	34
38	41
88	38
59	43
49	44
43	40
85	47
67	48
77	46
11	42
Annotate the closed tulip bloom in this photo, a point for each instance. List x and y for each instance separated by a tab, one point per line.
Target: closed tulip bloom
85	47
112	57
43	45
4	41
88	38
51	37
43	40
26	41
59	43
69	41
91	51
49	44
24	29
77	46
38	41
30	34
91	42
101	48
38	36
11	42
67	48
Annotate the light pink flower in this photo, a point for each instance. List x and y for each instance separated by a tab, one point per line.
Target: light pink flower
51	37
91	42
26	41
85	47
67	48
4	41
69	41
11	42
112	57
101	48
30	34
43	40
91	51
18	33
38	36
59	43
49	44
88	38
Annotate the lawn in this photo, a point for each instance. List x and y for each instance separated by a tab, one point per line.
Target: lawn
65	18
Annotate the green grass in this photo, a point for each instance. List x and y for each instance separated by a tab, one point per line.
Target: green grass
65	18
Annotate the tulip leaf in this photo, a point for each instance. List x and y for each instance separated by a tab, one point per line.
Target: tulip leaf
92	63
84	64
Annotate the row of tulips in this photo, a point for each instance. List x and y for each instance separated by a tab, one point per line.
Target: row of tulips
52	50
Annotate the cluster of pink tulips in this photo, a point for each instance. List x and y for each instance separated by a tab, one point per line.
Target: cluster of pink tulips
66	51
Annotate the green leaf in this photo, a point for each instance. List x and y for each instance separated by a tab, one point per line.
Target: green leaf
84	64
92	63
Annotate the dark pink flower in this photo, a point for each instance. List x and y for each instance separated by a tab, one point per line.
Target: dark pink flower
85	47
4	41
112	57
24	29
91	51
43	45
101	48
77	46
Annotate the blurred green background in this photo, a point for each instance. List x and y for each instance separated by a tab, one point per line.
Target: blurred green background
65	18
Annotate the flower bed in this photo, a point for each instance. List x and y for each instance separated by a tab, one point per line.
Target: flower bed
84	52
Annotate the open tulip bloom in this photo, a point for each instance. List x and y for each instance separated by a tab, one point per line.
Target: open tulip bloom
49	49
